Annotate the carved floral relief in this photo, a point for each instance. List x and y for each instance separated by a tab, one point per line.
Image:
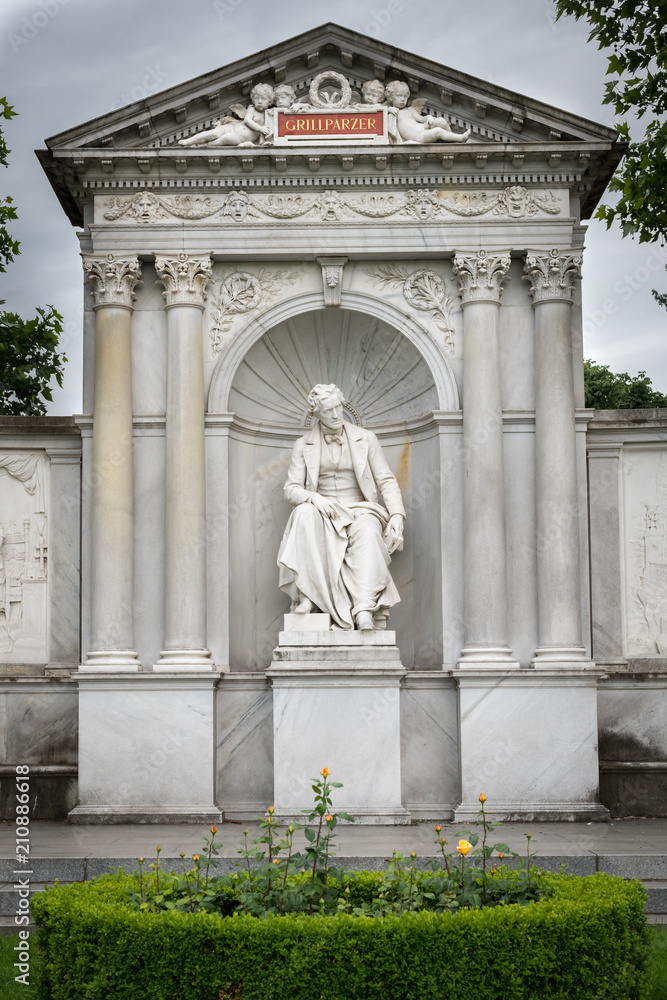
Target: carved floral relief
423	289
242	292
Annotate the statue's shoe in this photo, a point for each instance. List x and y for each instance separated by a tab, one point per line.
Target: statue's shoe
365	621
304	607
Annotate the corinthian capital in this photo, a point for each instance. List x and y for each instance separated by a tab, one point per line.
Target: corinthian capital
184	278
113	279
481	276
552	275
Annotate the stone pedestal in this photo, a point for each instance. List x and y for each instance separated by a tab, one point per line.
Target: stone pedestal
146	748
336	705
528	740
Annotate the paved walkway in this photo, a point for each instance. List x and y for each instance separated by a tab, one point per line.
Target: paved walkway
636	837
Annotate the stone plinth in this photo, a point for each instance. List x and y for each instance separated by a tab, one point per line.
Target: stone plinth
336	705
528	740
146	744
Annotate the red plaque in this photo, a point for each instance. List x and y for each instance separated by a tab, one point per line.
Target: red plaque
330	125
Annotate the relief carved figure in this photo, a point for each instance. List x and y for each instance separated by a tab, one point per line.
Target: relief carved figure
337	546
410	125
246	129
329	91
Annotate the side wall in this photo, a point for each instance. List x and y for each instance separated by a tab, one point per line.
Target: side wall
627	461
40	504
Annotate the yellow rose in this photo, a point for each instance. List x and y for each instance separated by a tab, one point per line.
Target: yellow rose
482	797
463	847
324	772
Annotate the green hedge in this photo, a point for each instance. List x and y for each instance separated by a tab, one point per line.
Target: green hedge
588	941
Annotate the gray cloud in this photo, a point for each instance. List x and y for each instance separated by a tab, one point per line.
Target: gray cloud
85	57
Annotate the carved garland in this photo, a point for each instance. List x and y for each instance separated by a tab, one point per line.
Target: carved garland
330	205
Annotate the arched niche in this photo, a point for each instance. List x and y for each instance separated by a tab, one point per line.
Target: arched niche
390	388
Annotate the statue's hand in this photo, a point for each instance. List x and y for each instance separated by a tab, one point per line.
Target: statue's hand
393	534
325	507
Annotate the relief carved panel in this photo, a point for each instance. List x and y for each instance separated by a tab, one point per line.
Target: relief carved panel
24	557
645	550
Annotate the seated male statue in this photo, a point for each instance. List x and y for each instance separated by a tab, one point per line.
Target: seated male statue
335	552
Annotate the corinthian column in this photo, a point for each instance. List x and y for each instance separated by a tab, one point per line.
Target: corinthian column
113	280
185	279
485	578
552	278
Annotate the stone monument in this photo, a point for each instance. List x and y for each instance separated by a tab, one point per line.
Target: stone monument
333	212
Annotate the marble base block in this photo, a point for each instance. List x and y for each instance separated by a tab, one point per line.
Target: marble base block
146	748
307	623
528	741
337	706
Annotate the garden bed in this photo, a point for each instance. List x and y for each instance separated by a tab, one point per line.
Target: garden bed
586	940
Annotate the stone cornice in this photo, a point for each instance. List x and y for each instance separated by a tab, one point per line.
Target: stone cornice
114	279
184	278
552	276
481	276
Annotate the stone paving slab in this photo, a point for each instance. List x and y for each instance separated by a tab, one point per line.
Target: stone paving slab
634	837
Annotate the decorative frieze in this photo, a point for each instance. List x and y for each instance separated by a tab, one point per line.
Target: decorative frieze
114	279
184	278
481	276
330	205
552	275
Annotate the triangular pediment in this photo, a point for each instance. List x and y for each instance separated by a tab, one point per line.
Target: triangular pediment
492	135
493	113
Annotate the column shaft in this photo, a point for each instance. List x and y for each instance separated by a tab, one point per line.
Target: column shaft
558	557
112	631
485	572
185	647
185	500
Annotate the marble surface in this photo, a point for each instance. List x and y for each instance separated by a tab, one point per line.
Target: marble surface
317	705
244	746
38	722
159	734
529	743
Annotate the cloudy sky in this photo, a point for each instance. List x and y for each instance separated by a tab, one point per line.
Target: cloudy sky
63	62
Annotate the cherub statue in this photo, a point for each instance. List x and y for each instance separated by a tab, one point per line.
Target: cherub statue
247	129
373	94
409	125
284	99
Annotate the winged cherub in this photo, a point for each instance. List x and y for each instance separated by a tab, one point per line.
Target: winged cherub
247	129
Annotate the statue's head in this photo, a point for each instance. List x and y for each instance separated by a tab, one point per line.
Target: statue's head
397	93
284	96
326	403
262	96
373	91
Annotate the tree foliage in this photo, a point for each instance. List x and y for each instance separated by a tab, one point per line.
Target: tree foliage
636	33
606	390
29	358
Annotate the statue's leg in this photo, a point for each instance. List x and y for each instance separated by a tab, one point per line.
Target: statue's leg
310	558
365	567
